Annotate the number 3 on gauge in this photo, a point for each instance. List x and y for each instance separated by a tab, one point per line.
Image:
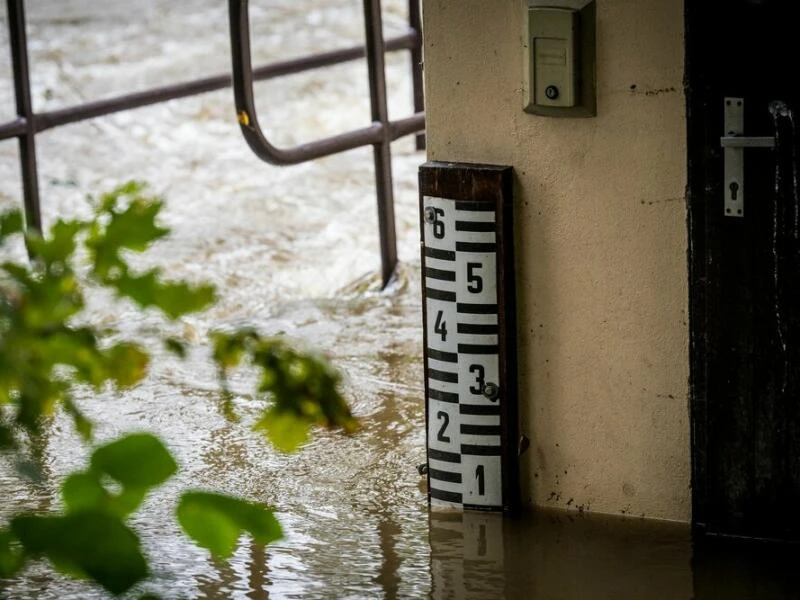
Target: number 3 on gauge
480	379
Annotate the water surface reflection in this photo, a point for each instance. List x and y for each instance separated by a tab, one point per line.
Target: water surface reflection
557	556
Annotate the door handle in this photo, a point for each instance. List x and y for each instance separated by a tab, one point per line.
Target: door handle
733	144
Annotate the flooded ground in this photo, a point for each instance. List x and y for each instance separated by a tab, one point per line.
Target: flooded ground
295	250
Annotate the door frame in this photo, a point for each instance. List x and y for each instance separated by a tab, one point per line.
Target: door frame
696	149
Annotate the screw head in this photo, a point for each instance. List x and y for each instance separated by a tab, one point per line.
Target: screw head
551	92
491	391
430	215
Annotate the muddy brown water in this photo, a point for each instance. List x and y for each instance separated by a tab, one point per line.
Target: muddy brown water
294	251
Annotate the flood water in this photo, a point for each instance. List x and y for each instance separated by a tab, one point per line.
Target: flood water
295	251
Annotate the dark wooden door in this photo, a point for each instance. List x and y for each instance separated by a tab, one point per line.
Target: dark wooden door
744	271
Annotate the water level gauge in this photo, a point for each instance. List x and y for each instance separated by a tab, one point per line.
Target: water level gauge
469	329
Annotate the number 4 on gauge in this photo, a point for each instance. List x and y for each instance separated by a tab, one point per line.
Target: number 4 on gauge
440	327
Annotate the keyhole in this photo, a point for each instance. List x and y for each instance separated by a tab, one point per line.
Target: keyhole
734	190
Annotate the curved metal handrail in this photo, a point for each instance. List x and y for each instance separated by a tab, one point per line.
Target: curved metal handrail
248	118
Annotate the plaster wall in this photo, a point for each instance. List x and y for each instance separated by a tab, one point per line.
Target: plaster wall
601	246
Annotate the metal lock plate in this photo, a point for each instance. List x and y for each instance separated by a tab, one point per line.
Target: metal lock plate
733	143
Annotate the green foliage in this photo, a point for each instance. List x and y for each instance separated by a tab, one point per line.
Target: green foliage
42	353
11	558
216	522
91	539
304	389
135	461
11	223
133	227
85	544
45	353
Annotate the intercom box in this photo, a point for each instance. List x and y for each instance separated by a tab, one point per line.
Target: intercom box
559	58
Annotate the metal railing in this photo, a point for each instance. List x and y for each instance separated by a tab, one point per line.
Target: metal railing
379	134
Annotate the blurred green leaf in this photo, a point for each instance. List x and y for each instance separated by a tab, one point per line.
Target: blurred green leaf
36	401
11	556
109	200
74	347
174	299
209	528
285	430
119	226
59	246
229	348
138	460
215	521
83	491
18	273
304	387
82	424
126	363
85	544
10	223
135	228
127	501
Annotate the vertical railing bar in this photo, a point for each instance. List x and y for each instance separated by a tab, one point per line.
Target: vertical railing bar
376	65
415	22
22	91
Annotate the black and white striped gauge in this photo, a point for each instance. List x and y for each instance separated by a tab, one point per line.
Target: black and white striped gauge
468	322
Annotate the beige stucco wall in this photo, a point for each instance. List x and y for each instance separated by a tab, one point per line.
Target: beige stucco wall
601	246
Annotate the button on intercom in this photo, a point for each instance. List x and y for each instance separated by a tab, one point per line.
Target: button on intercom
559	59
